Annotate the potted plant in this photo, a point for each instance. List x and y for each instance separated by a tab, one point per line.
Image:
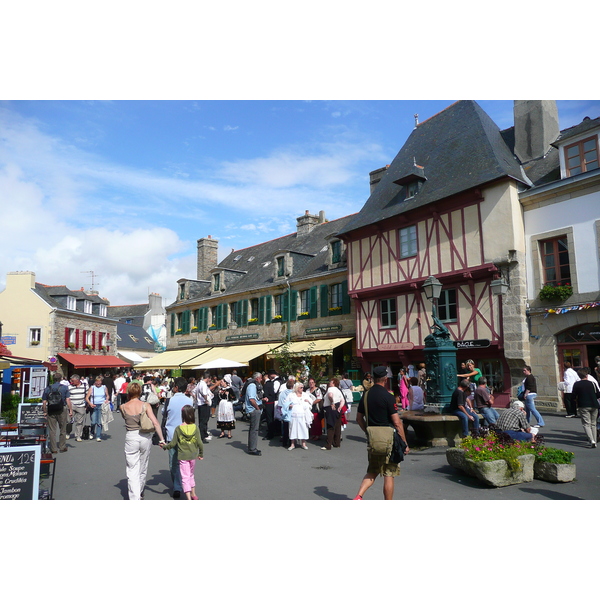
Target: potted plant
303	315
335	310
554	465
495	459
556	293
253	321
276	318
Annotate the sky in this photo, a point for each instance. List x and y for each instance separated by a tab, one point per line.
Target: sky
123	189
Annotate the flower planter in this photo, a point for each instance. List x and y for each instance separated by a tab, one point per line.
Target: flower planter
553	472
494	473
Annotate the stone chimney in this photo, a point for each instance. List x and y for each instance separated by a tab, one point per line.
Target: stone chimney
208	250
536	127
306	223
375	177
155	303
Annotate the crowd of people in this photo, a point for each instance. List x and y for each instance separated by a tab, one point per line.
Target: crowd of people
176	413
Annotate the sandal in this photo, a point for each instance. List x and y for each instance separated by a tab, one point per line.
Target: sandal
222	435
229	437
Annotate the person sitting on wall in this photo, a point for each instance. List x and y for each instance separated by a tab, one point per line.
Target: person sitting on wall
483	402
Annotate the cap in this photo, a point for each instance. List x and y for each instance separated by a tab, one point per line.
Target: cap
518	404
379	372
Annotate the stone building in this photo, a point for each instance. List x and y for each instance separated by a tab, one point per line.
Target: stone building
66	329
290	289
561	212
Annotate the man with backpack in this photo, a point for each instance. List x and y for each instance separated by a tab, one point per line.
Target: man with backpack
55	401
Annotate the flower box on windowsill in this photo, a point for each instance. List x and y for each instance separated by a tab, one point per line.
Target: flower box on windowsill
277	319
336	310
253	322
35	343
556	293
301	317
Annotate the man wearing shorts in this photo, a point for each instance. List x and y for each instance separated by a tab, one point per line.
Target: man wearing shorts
382	412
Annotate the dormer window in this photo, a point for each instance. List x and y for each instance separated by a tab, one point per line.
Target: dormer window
411	182
336	251
217	282
411	189
182	291
87	307
71	303
280	266
102	310
581	156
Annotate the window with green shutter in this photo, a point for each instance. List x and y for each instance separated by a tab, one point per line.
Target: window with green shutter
324	299
313	302
203	318
173	317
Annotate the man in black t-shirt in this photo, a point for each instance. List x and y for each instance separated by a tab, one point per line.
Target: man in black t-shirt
381	412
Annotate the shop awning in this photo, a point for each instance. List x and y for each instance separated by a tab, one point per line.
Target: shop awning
239	354
132	357
172	359
92	361
317	347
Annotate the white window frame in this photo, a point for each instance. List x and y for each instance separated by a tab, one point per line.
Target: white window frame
35	336
408	241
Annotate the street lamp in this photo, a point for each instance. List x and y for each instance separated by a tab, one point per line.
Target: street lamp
440	352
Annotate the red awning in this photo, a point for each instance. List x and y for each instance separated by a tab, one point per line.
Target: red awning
93	361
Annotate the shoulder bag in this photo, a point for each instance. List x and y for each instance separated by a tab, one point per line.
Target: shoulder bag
380	440
146	425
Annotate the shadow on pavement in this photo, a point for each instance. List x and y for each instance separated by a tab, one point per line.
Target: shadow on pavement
323	492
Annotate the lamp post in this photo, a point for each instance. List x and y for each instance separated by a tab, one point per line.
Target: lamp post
440	352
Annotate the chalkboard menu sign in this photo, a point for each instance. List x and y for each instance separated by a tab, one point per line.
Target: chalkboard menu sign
20	473
31	413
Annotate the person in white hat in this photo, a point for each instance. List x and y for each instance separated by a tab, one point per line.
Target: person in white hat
513	422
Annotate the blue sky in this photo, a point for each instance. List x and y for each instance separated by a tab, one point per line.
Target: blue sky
125	188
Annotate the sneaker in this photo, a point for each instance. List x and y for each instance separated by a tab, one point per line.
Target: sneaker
68	436
569	416
98	440
357	497
176	495
208	438
78	440
194	497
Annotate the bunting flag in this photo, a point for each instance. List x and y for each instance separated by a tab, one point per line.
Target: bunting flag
566	309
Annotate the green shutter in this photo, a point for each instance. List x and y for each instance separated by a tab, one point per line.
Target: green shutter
203	318
172	325
261	310
224	312
285	308
219	316
185	321
294	306
346	303
313	302
268	308
244	312
324	292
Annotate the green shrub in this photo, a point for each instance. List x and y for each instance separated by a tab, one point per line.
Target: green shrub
555	456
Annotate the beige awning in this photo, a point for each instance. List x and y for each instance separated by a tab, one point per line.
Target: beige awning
317	347
172	359
240	354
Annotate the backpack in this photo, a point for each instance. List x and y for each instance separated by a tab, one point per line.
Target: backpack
55	400
149	396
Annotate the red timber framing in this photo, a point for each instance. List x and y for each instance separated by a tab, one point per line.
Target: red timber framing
450	247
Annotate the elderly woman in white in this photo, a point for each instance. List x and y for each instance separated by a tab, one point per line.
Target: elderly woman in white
301	415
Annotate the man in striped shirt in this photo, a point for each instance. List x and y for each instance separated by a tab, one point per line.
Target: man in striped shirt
77	394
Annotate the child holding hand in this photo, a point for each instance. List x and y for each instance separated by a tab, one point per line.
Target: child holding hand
189	448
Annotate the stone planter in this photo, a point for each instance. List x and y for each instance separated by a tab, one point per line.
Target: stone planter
494	473
553	472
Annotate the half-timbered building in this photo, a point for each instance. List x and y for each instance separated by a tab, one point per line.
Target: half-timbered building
447	206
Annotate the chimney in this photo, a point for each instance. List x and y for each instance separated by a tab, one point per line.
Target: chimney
155	303
208	250
306	223
536	127
375	177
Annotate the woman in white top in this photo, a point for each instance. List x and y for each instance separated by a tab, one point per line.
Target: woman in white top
416	398
96	396
333	403
301	415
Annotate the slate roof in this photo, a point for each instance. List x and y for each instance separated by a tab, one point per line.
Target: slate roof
52	294
124	331
133	312
459	149
582	127
253	267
